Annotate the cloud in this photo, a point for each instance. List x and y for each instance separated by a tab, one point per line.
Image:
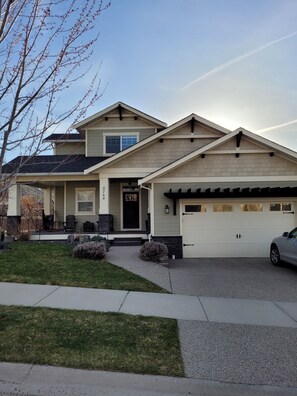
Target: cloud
277	126
238	59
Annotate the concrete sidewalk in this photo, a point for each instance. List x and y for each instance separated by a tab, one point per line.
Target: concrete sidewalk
182	307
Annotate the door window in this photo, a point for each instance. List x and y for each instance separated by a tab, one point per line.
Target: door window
195	208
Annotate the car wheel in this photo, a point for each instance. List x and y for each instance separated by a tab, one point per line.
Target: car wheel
274	256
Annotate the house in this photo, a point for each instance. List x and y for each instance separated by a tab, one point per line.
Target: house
203	190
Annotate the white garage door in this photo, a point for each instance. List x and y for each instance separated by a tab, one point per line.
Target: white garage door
233	229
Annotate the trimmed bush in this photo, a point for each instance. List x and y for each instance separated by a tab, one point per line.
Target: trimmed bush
98	238
153	251
90	250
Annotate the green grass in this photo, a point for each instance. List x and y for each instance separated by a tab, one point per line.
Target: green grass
90	340
53	264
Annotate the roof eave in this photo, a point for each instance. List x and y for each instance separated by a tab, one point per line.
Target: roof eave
101	113
218	142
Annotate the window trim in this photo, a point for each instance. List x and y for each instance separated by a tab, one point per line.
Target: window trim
121	134
85	213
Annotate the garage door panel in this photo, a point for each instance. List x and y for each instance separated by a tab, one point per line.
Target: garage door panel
226	250
234	234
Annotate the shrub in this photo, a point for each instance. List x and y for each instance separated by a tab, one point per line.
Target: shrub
90	250
98	238
153	251
23	236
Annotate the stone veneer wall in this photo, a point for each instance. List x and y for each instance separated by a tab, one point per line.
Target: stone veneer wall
174	244
105	223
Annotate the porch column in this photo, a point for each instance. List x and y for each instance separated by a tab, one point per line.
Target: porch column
47	201
14	208
104	196
105	218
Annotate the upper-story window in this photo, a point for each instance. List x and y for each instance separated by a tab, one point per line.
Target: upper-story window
114	143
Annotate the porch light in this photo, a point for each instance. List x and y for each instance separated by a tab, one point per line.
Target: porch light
166	209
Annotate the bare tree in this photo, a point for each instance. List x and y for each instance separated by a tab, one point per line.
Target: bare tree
45	48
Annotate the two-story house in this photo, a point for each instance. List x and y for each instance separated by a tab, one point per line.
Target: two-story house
203	190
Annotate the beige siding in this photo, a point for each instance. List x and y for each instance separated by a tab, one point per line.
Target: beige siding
94	143
95	139
228	165
161	154
144	207
70	202
115	204
199	129
59	203
128	120
165	224
70	148
245	144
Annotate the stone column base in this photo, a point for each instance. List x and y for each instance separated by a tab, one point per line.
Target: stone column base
174	244
105	223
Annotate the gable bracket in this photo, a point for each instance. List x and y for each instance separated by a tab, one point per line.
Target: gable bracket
192	124
238	139
120	112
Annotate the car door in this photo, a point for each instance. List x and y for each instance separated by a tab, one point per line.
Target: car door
290	247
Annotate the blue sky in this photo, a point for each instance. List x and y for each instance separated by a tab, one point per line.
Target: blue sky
230	61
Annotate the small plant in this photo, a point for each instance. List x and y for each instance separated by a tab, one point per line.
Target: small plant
23	236
153	251
98	238
90	250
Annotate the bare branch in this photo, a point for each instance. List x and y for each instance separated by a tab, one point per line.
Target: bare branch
45	47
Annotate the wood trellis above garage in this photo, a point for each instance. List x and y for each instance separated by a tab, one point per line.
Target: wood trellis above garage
215	193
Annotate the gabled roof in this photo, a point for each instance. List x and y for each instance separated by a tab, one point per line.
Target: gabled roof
82	124
43	164
64	137
156	136
194	154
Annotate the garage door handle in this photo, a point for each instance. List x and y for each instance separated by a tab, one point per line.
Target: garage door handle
188	244
238	236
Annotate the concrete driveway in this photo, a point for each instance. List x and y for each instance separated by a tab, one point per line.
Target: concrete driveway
248	278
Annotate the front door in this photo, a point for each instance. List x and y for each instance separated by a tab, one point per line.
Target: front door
130	210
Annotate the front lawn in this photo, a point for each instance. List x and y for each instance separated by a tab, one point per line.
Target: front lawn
53	264
90	340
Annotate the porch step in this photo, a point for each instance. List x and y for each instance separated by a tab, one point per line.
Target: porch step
127	242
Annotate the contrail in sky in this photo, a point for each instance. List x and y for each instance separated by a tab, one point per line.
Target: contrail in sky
277	126
238	59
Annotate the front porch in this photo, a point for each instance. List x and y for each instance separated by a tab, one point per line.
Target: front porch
113	237
104	206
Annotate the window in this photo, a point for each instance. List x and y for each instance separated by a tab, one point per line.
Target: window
116	143
85	200
222	208
195	208
132	197
277	207
251	207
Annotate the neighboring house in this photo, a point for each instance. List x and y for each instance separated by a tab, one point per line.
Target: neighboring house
201	189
